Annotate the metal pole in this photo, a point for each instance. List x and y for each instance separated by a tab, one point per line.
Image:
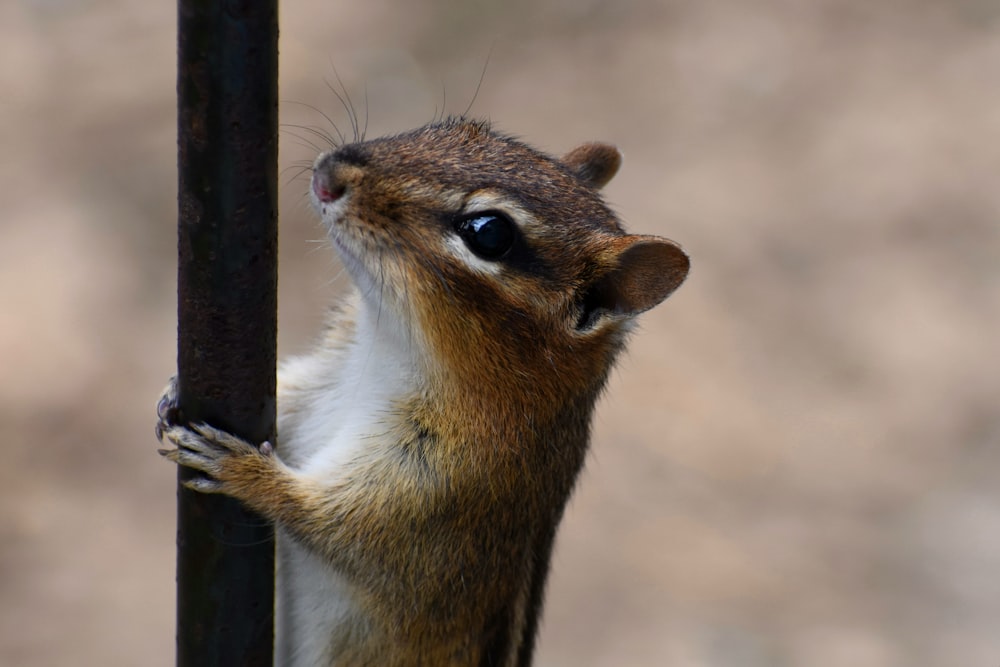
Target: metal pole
227	324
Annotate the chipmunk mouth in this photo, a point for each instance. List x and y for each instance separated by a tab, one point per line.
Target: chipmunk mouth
330	199
348	241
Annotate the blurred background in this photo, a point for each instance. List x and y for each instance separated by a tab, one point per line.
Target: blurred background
796	464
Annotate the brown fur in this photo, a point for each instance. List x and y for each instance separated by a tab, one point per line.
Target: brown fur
445	529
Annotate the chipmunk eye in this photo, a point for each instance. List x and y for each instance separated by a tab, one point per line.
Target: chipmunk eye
489	235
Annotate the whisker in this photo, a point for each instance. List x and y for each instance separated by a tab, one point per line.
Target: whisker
300	171
482	77
345	100
364	131
307	163
344	104
319	132
323	136
333	142
319	245
306	144
350	103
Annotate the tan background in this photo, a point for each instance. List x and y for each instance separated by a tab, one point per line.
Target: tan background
796	464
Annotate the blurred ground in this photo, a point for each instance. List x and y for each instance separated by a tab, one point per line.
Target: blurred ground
796	464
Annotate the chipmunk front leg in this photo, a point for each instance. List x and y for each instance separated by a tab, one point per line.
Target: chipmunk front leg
233	466
322	514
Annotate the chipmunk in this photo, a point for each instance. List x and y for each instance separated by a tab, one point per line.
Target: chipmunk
428	445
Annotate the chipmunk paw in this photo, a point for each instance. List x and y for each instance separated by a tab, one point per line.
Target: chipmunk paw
230	463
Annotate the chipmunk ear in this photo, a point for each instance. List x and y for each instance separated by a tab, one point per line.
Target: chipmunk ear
594	163
644	271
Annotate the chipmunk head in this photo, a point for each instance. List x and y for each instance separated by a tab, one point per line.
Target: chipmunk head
503	263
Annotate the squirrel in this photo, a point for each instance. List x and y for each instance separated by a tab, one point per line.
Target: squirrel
428	445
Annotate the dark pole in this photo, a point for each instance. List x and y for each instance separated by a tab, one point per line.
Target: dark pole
227	282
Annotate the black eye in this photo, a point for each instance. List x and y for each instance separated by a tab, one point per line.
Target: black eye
489	235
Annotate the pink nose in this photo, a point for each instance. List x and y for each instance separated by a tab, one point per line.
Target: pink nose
326	191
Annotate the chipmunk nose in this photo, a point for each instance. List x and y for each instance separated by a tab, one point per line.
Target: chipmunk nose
326	187
335	171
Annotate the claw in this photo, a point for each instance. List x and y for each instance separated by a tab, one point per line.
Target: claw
167	412
163	406
203	485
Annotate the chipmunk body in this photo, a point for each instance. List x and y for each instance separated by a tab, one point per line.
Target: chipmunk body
428	445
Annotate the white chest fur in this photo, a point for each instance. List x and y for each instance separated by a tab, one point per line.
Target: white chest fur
332	406
332	402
